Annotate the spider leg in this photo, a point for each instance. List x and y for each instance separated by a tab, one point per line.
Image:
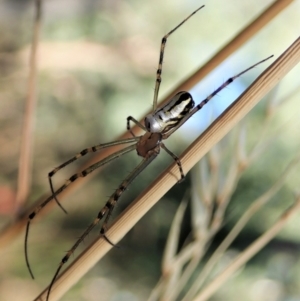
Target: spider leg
177	160
123	186
130	118
209	97
92	149
105	211
161	58
63	187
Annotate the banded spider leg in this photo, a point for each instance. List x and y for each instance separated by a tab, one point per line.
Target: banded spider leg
75	177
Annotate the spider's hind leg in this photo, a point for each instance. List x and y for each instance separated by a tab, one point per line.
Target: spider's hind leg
178	162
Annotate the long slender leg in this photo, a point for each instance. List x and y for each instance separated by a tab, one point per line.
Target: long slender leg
79	155
114	198
176	159
209	97
105	211
63	187
130	118
161	58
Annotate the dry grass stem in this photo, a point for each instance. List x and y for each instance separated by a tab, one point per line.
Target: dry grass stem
253	249
172	242
262	85
256	205
26	150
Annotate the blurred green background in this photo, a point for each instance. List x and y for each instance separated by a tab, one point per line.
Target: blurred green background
97	65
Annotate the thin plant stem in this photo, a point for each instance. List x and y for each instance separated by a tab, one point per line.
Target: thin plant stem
256	205
26	150
253	249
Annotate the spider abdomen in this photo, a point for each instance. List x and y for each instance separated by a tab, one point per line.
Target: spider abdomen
167	117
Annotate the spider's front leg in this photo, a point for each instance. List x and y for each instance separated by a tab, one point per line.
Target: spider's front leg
132	119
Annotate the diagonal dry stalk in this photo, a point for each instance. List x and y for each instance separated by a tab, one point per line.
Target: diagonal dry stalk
26	150
17	227
247	254
208	268
263	84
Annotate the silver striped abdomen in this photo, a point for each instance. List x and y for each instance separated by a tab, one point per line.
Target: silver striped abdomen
167	117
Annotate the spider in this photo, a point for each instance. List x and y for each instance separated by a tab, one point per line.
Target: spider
158	126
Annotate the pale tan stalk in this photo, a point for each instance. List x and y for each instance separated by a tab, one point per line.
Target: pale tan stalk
253	249
256	205
26	149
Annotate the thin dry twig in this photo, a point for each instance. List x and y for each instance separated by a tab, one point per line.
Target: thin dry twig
15	228
253	249
256	205
26	150
218	129
168	268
